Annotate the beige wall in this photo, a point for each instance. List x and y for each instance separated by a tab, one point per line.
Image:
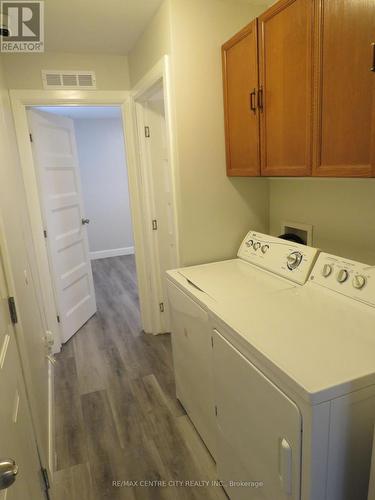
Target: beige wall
214	211
152	45
23	71
342	212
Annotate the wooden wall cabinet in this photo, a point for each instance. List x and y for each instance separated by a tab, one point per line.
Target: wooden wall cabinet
299	93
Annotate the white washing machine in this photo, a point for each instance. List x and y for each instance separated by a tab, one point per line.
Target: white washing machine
294	387
265	266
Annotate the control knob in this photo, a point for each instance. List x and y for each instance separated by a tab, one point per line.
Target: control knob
327	270
249	243
265	248
359	281
256	245
294	260
342	275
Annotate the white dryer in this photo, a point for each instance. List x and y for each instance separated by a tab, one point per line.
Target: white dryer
265	266
295	388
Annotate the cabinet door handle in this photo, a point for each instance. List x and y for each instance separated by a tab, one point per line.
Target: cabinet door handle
260	98
373	57
253	105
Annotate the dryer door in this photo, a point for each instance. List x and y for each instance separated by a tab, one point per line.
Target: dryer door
259	445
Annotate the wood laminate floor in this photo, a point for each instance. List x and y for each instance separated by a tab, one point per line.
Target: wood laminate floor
117	418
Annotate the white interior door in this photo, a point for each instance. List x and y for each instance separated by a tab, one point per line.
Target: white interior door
56	161
17	440
158	160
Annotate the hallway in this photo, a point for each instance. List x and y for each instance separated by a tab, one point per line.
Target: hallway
117	418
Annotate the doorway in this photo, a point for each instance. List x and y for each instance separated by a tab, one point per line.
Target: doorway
149	270
80	162
154	156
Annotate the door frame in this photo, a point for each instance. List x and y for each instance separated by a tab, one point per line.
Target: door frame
18	334
158	76
20	101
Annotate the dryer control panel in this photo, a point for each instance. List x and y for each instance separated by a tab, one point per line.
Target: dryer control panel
284	258
344	276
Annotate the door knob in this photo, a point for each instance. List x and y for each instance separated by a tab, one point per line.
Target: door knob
85	221
8	472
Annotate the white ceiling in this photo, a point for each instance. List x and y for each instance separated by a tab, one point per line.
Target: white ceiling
96	26
83	112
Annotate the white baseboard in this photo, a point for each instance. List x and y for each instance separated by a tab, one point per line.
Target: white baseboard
113	252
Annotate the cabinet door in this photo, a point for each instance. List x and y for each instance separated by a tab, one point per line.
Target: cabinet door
285	61
240	76
344	132
259	441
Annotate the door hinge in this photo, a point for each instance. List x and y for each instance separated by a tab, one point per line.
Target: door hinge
58	318
46	478
147	131
12	310
215	410
45	233
154	225
31	137
161	307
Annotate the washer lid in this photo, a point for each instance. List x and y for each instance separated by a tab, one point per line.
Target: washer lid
233	280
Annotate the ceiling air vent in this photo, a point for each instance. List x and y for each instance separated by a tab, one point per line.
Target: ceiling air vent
68	79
